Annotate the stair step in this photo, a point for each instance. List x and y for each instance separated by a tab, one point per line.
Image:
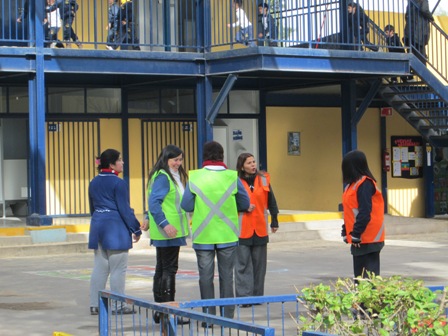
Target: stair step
42	249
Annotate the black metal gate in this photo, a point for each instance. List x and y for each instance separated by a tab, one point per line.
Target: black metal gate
157	135
72	147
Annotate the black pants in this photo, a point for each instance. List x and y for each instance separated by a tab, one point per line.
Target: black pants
366	263
164	286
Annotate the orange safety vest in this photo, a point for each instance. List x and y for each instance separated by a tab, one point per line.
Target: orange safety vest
374	232
257	220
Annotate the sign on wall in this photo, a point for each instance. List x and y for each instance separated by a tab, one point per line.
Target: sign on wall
407	156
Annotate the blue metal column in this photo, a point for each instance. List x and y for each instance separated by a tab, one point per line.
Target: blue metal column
203	103
383	128
349	131
204	89
36	88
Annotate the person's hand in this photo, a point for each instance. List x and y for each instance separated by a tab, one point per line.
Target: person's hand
170	230
251	208
356	242
260	35
19	20
135	238
145	225
228	25
274	229
344	239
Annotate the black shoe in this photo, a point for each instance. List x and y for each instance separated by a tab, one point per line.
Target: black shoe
156	317
123	311
206	325
182	320
93	310
246	305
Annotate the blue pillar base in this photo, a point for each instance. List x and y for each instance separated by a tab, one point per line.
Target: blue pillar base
39	220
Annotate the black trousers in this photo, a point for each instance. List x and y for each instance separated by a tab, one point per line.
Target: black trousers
164	281
366	263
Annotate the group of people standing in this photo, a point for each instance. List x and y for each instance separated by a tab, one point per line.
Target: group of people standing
229	222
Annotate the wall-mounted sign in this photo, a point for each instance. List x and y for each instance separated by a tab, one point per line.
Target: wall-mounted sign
407	156
293	143
237	135
52	127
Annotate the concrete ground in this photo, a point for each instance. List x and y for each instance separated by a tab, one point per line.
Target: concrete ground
46	294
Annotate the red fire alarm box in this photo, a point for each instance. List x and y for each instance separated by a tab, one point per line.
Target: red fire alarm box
386	111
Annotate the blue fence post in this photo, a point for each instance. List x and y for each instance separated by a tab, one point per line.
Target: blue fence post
103	316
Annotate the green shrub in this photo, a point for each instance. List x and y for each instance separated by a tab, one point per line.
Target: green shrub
374	306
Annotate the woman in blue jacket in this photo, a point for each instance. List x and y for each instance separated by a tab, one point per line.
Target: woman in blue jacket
113	229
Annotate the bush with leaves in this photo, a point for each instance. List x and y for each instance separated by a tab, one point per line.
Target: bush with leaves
374	306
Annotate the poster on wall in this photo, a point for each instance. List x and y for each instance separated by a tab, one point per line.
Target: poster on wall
407	156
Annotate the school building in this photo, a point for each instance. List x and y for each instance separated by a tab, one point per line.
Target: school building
298	99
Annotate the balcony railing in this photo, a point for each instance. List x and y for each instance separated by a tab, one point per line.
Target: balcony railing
197	26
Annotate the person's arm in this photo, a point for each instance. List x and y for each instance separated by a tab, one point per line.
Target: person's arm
364	194
273	208
241	197
160	189
426	13
237	17
124	208
188	199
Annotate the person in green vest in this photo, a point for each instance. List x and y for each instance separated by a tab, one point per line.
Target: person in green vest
215	195
168	223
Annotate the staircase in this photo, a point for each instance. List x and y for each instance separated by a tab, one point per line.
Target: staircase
423	101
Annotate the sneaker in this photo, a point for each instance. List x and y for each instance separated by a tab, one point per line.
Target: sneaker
109	48
53	45
93	310
78	44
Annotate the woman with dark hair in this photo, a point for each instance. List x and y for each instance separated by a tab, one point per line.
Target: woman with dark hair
363	204
168	222
113	229
251	254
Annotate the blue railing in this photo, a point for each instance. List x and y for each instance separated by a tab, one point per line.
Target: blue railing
267	315
181	26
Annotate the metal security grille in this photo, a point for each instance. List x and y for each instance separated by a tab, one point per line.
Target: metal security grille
72	147
157	135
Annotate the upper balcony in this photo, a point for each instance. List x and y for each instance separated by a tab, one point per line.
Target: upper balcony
202	36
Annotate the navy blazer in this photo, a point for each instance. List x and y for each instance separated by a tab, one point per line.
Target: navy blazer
113	221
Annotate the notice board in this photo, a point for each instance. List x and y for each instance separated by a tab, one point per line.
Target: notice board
407	156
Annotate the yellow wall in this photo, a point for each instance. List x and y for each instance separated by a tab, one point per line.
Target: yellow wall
135	165
313	180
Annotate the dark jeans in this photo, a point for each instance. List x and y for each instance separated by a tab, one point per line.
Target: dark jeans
68	31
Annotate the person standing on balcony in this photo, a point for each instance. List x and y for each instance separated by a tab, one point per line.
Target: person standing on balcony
113	24
416	28
169	223
67	9
363	207
128	30
358	26
113	229
215	195
53	22
267	29
245	34
251	255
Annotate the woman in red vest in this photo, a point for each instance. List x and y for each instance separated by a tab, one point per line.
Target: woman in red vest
250	267
363	204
